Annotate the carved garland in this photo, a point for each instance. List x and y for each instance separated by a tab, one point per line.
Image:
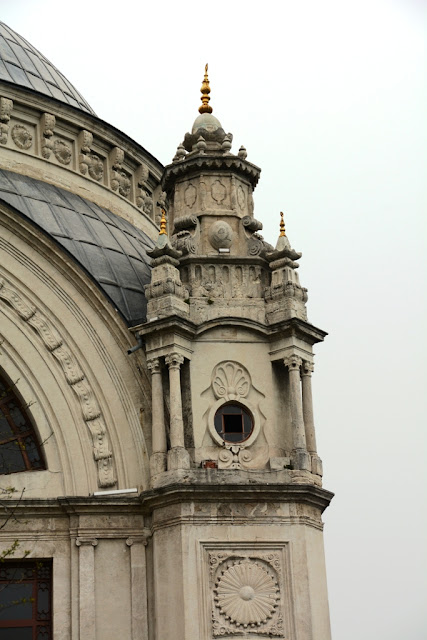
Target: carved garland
74	376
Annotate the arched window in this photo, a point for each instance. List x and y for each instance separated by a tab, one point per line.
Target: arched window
19	449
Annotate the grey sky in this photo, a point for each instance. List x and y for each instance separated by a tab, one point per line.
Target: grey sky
329	100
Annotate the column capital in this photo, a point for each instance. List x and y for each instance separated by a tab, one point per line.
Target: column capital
307	368
141	539
292	362
86	541
153	364
174	360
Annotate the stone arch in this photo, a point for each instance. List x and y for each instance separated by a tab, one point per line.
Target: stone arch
63	339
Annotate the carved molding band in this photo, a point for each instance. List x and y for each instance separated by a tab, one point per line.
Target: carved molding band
74	376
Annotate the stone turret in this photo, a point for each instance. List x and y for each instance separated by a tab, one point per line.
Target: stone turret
229	349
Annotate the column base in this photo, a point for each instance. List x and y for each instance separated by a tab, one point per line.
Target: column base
301	460
178	458
157	463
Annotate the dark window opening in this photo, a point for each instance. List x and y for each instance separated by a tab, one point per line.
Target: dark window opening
233	423
26	600
19	449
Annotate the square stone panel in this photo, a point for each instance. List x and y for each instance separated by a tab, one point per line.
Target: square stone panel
247	590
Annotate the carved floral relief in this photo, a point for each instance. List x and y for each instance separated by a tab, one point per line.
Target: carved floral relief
247	593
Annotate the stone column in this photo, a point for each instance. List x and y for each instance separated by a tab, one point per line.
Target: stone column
178	457
138	573
300	457
307	408
87	624
158	433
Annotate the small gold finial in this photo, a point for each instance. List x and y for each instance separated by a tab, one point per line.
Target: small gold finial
282	226
163	231
205	91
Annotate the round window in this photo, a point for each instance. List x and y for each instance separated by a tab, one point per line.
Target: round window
233	423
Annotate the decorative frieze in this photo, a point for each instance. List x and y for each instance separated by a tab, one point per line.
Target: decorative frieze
224	281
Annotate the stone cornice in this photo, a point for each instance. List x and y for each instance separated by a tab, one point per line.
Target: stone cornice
229	493
200	163
293	326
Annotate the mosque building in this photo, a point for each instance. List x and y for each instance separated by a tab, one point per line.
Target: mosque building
159	477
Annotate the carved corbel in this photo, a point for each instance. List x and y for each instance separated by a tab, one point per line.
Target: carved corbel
85	143
143	198
89	162
47	124
186	234
6	107
119	181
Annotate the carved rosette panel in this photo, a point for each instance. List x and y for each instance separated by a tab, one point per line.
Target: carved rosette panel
74	375
22	137
62	151
246	594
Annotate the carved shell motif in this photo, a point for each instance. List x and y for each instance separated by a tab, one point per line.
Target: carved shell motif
247	594
231	381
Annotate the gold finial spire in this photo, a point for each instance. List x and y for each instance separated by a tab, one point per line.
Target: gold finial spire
163	231
282	226
205	91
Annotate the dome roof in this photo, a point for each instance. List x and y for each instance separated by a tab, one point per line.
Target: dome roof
21	64
109	248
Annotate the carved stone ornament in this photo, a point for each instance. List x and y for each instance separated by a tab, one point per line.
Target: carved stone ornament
231	381
234	456
241	197
62	152
190	195
221	235
218	192
74	375
22	137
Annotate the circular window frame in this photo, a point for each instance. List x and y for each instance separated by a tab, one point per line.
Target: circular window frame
249	408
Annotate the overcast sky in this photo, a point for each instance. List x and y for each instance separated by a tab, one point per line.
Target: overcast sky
329	98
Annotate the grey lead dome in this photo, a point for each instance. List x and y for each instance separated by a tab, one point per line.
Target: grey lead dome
22	65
